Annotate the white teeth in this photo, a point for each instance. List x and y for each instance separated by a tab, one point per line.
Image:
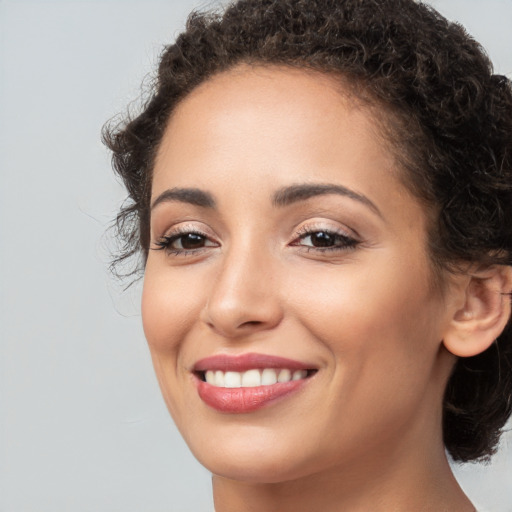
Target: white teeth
252	378
232	380
268	377
299	374
219	378
284	376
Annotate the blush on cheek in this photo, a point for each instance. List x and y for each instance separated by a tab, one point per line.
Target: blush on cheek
157	317
169	311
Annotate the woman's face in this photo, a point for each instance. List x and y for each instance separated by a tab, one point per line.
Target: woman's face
284	247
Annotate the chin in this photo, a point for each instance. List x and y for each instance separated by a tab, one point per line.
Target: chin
252	461
261	472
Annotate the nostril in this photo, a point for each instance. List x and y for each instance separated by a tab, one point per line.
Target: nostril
251	323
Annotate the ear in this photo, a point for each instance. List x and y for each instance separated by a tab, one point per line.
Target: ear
484	314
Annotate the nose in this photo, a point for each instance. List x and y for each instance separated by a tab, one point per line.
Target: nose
244	298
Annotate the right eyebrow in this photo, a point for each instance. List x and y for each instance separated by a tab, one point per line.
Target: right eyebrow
193	196
304	191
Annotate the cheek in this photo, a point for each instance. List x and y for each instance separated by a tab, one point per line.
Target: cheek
381	316
169	307
382	330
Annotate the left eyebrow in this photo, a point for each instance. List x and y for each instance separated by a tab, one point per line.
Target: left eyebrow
193	196
300	192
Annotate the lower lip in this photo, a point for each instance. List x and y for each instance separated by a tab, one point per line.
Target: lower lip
243	400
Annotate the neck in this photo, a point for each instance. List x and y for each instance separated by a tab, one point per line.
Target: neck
401	478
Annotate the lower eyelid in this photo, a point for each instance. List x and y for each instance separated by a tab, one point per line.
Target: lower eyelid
349	244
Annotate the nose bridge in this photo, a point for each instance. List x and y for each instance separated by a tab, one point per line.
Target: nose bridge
243	297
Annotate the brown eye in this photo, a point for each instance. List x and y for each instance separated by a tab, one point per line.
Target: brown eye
322	239
325	240
184	242
189	241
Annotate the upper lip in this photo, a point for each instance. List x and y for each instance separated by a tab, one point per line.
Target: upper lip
244	362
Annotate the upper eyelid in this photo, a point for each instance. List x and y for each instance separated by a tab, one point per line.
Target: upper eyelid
313	229
323	225
187	227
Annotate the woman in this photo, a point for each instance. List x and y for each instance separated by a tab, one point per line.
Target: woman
321	193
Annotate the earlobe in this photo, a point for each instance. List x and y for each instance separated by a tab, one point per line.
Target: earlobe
485	313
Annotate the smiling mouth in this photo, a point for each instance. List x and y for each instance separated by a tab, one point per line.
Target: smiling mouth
244	383
253	377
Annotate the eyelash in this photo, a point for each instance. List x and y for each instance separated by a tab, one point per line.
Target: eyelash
347	243
344	242
165	242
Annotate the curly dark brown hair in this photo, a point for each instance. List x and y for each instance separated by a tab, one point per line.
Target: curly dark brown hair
449	121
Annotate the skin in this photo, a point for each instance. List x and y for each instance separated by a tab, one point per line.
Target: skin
364	433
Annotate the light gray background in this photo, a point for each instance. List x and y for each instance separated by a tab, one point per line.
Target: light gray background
83	427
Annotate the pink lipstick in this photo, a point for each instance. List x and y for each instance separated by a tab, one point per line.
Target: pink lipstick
245	383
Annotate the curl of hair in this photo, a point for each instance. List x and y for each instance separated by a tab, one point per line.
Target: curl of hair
449	122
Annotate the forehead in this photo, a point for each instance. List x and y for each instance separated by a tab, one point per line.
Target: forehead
272	117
